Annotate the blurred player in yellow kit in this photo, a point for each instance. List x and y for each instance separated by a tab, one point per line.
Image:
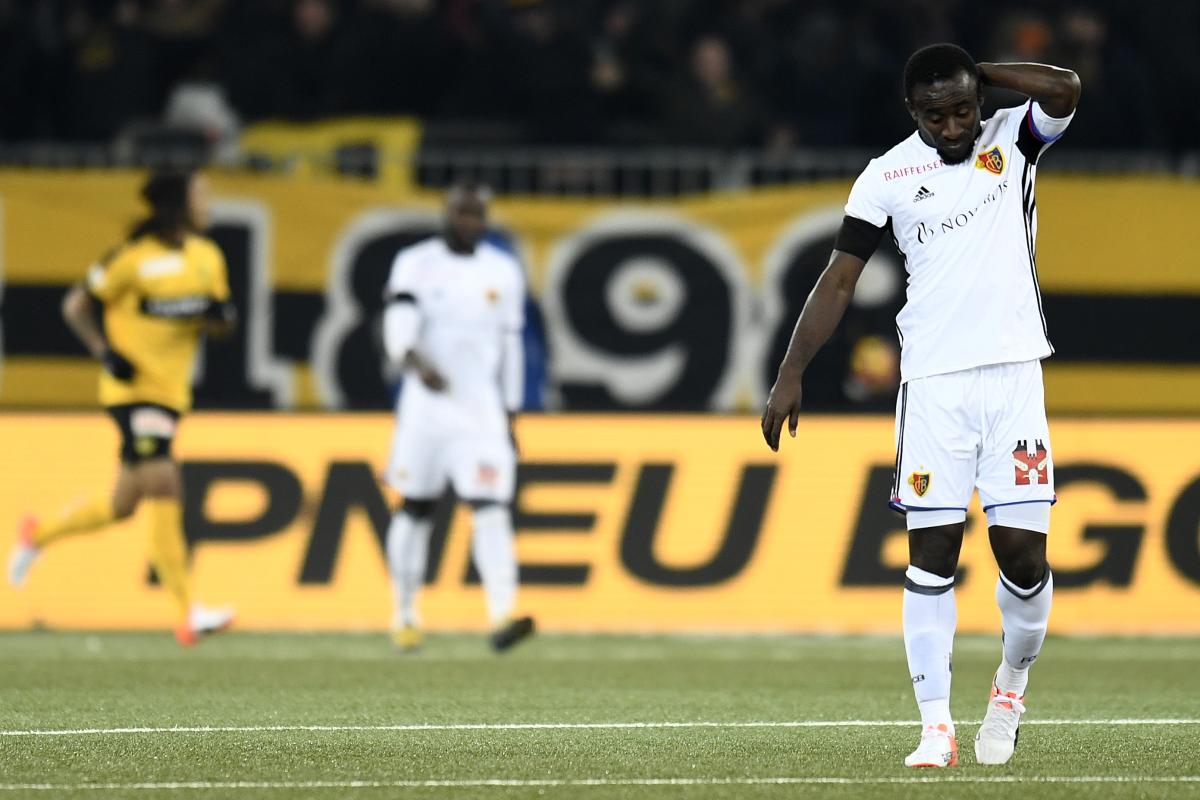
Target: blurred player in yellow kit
141	313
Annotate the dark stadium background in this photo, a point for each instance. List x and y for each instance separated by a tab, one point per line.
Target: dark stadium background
671	175
715	620
587	72
632	100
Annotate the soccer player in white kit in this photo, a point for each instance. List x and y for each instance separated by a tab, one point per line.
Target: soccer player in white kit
957	196
455	308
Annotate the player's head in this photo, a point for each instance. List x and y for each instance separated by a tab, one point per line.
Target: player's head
466	215
943	94
178	203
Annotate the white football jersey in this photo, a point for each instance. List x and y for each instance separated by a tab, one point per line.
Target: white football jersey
967	232
467	304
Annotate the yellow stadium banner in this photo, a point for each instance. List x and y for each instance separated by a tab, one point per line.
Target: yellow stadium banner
625	523
652	305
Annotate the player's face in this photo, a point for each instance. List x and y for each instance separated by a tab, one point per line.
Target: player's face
947	115
466	219
198	203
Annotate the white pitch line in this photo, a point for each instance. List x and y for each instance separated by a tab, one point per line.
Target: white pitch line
558	726
587	782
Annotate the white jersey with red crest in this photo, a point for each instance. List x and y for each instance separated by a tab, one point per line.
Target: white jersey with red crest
968	235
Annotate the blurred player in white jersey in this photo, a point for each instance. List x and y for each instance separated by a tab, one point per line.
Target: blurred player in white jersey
455	309
957	196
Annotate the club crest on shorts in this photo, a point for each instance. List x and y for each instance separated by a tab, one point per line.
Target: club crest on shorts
991	160
152	422
492	296
920	481
1032	467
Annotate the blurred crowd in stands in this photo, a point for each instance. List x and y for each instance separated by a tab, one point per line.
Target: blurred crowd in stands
708	73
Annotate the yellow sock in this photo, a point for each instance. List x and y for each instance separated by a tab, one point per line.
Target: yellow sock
168	548
79	517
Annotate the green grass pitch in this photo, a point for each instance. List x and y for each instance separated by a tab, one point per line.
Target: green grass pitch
589	717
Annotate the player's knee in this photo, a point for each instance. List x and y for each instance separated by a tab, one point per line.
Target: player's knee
1025	569
418	509
159	477
935	549
491	515
123	508
1020	555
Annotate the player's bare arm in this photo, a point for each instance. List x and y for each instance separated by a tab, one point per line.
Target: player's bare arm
221	321
80	311
429	376
512	432
401	323
1055	89
820	317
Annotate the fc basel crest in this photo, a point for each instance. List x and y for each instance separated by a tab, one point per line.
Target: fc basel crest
920	482
991	160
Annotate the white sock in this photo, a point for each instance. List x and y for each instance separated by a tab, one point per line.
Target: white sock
407	553
496	560
1023	616
930	617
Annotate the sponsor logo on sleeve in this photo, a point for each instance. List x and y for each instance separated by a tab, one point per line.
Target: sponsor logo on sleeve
95	277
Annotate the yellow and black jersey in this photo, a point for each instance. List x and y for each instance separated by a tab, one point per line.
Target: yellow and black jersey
155	298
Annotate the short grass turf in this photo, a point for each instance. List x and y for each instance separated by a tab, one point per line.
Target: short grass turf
72	681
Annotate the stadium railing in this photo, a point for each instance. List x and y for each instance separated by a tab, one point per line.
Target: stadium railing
576	171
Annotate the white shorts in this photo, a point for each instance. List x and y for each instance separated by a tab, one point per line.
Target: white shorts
982	428
478	466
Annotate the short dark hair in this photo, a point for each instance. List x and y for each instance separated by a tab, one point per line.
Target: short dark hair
937	62
166	192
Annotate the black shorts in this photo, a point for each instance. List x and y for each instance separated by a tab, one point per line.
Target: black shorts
147	430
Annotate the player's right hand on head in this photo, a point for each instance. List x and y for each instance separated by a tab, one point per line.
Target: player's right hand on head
783	404
117	365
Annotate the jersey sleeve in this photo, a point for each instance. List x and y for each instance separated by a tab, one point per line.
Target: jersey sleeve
401	284
111	276
514	302
858	238
220	276
868	200
1037	130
